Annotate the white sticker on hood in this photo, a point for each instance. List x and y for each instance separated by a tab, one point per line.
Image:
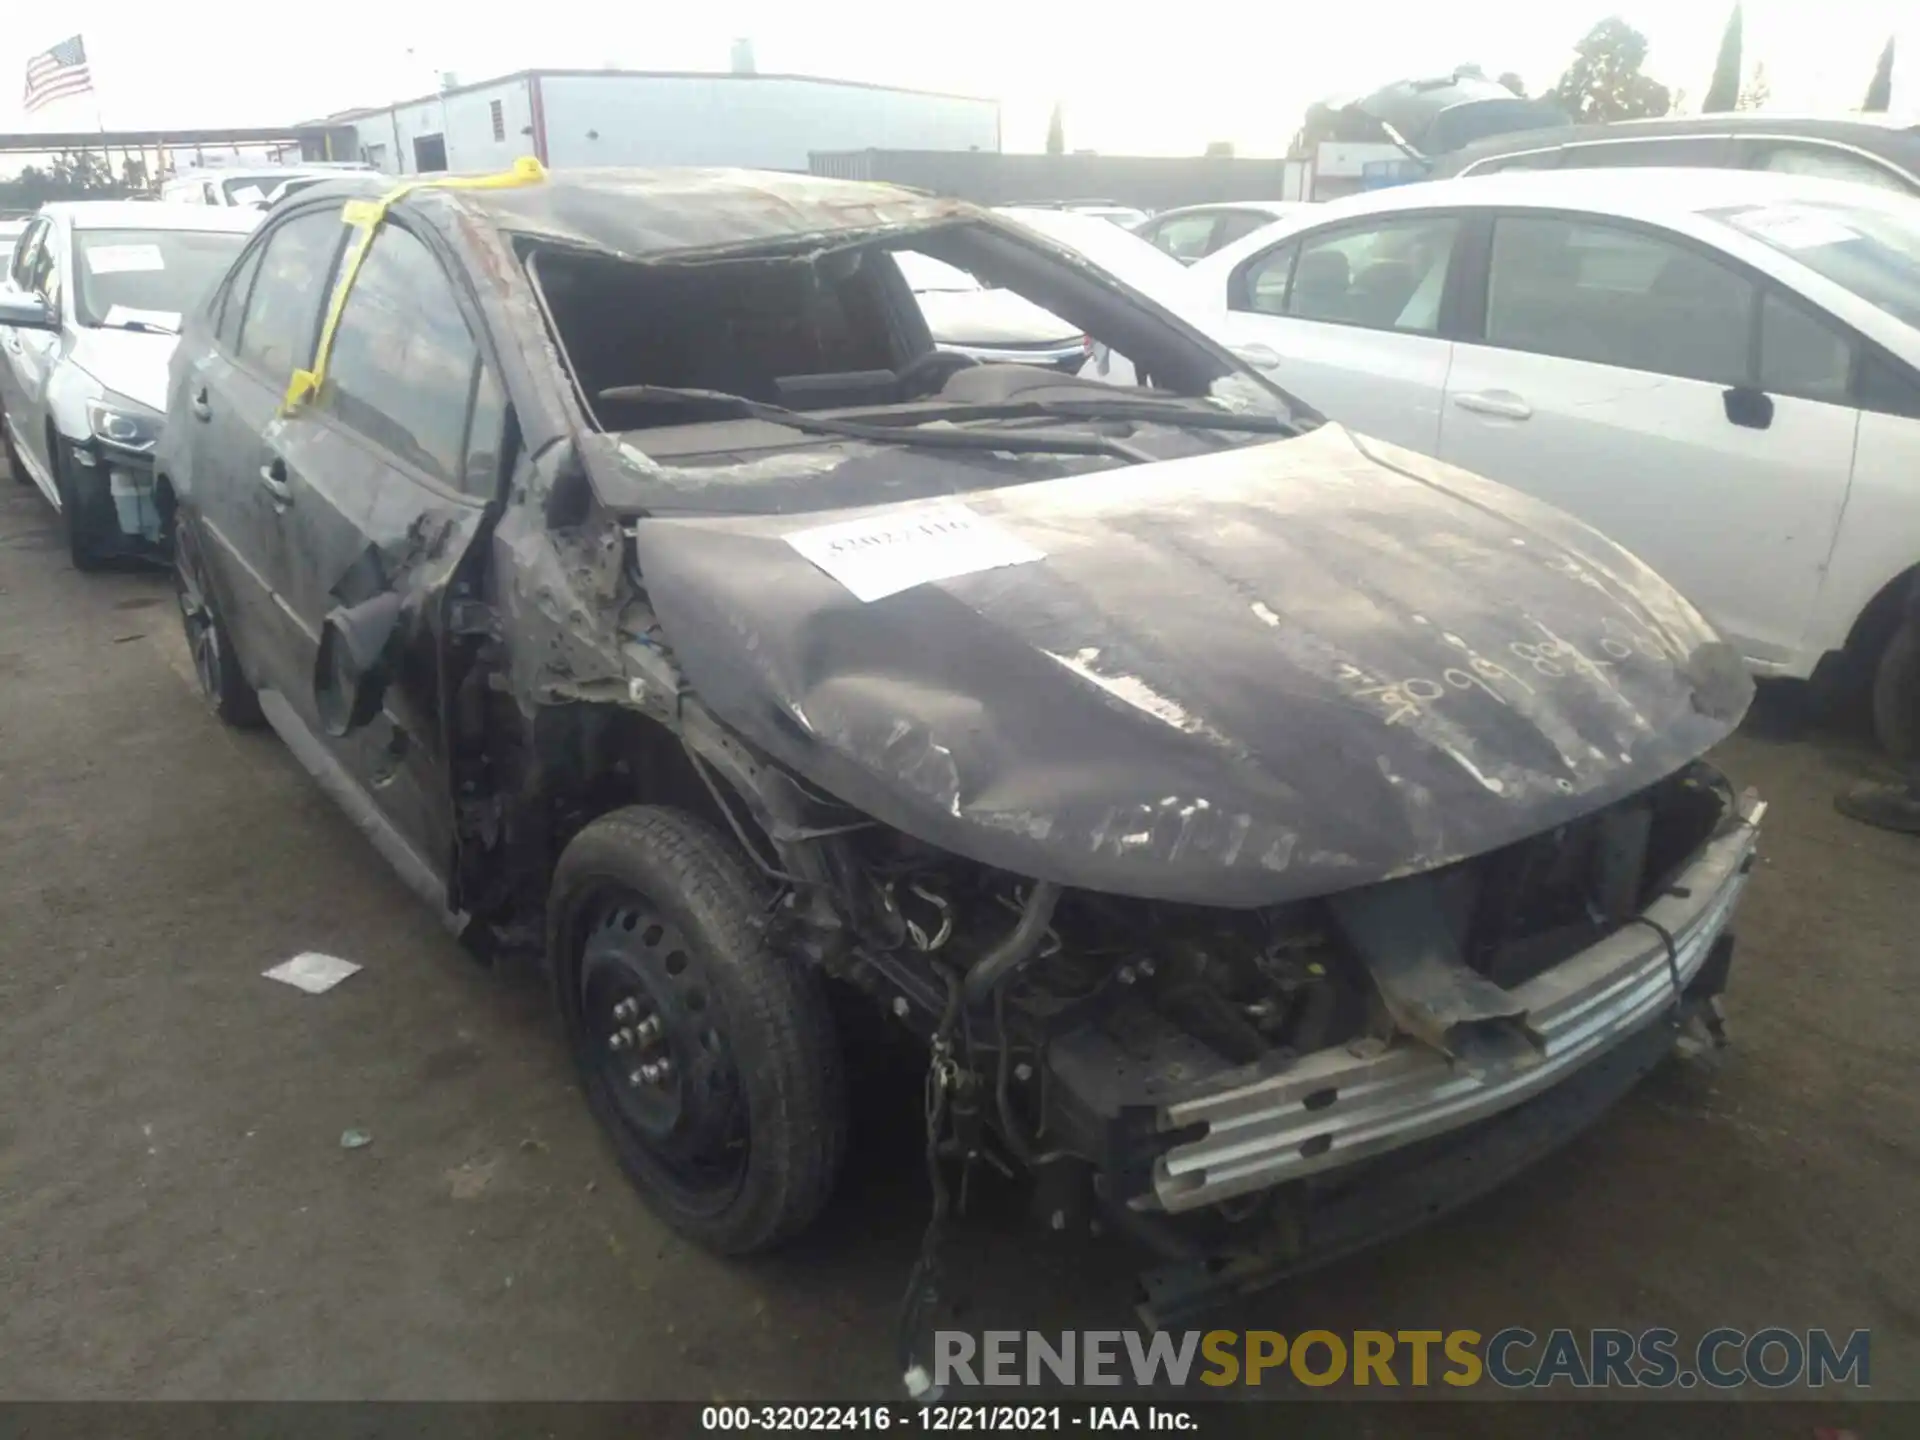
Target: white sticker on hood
118	259
885	554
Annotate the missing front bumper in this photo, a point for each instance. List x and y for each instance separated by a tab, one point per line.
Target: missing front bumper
1342	1107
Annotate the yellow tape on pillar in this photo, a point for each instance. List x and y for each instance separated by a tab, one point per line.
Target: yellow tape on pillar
366	217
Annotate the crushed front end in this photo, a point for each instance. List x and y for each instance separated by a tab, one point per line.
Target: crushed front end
1251	1092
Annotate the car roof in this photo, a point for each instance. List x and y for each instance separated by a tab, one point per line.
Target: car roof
643	212
1265	207
1648	192
149	215
1656	196
1881	134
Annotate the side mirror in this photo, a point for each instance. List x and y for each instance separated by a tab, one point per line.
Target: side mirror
1261	357
350	673
25	312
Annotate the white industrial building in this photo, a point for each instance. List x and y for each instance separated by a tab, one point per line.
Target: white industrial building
572	118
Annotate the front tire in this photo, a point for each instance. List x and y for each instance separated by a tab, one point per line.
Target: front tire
79	514
709	1060
14	467
1896	693
223	685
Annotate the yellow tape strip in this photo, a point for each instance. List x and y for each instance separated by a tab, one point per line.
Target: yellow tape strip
366	216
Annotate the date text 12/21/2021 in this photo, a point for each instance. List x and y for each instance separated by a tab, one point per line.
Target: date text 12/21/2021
948	1419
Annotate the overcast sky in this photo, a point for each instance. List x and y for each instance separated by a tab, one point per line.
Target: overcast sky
1134	77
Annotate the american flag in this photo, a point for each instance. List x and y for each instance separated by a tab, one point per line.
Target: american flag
57	72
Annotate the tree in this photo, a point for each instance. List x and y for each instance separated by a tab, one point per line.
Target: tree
1219	150
1756	92
1723	93
1880	92
1514	83
1056	132
1605	83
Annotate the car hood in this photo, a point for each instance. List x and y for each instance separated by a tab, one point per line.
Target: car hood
1238	679
132	363
991	317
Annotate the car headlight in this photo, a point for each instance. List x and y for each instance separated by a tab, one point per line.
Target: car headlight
124	424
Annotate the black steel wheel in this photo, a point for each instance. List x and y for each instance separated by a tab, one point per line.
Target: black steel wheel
710	1061
222	683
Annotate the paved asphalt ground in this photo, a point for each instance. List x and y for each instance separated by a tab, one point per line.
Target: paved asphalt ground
178	1218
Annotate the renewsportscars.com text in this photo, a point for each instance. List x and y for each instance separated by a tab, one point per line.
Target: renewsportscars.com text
1512	1358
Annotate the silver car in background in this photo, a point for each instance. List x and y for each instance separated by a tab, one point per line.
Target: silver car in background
90	309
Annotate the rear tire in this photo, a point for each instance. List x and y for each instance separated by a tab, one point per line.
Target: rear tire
658	965
223	685
1896	693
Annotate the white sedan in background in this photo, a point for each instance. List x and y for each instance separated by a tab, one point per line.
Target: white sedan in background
1193	232
1718	369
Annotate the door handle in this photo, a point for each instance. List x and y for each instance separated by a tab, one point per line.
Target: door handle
12	342
273	475
199	406
1502	403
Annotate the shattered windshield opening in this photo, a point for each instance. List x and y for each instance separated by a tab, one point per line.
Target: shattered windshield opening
860	328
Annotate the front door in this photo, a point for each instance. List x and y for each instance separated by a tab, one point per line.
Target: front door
1682	407
31	354
1348	319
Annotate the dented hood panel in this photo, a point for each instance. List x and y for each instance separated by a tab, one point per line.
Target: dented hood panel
1248	677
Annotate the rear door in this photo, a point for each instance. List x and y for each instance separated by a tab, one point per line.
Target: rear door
384	481
266	329
1685	407
1349	318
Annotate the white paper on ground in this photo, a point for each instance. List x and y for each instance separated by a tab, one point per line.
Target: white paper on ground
312	972
119	259
132	314
885	554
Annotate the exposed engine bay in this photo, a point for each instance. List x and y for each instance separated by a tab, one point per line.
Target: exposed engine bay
1070	1017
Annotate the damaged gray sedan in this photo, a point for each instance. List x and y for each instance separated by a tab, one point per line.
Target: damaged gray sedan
1272	836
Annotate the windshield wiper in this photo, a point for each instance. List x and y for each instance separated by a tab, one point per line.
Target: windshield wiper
144	327
1158	412
1029	443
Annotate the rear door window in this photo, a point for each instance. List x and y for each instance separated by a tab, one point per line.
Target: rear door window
1237	224
283	310
233	299
26	252
1801	354
402	368
1186	237
1613	295
1384	275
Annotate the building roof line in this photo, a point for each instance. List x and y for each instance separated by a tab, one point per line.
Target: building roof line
361	113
